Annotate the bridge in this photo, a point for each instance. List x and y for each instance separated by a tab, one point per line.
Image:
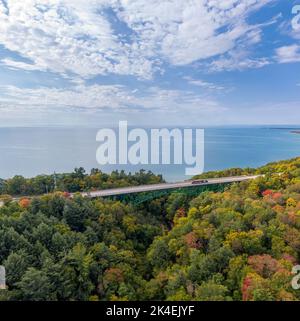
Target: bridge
165	186
141	193
148	192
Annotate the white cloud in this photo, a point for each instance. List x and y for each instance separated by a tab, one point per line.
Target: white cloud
187	31
203	84
239	58
13	64
78	37
77	97
176	100
237	63
69	36
112	97
288	54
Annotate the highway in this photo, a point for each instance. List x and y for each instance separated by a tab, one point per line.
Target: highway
164	186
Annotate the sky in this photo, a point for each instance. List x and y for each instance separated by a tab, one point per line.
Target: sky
158	62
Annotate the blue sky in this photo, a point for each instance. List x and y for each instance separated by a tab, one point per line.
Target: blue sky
159	62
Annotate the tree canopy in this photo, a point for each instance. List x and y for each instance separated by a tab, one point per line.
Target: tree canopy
240	244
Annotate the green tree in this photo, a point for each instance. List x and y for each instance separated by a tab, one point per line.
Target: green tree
35	286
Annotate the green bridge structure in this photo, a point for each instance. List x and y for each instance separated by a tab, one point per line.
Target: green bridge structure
144	193
142	197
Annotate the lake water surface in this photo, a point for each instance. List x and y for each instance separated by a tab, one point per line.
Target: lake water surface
33	151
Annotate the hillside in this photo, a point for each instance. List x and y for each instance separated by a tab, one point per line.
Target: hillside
240	244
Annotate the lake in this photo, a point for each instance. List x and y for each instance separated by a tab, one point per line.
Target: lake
33	151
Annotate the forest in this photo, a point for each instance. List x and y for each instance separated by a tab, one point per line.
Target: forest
78	181
236	245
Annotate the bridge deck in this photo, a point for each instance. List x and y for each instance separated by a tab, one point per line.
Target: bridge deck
164	186
155	187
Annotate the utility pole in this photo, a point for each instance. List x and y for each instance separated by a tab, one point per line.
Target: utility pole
55	182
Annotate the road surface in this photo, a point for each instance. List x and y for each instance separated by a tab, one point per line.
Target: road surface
153	187
164	186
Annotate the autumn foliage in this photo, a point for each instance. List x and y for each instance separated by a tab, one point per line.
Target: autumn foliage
24	202
238	242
